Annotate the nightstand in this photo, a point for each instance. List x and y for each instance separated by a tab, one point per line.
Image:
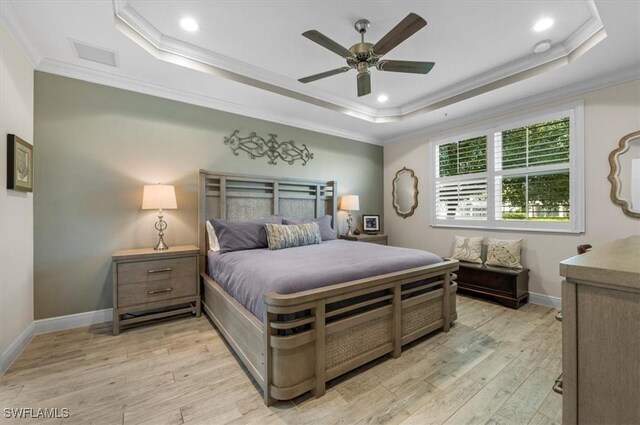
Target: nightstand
363	237
146	283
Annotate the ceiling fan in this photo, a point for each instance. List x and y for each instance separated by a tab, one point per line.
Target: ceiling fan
362	56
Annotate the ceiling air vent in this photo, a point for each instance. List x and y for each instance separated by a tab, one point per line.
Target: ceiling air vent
95	54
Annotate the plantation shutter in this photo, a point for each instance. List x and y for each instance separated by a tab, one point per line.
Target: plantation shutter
533	172
461	180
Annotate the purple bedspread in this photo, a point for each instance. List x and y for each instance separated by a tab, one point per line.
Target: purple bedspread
248	275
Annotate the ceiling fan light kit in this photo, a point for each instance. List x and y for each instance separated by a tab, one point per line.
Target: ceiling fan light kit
362	56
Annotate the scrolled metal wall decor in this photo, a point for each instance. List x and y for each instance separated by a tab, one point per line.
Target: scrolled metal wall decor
257	147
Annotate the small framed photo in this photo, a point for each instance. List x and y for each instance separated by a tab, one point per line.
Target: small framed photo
370	223
19	164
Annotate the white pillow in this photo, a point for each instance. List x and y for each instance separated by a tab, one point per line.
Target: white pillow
468	249
504	253
213	239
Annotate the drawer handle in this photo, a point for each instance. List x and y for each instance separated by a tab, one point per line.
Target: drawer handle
168	269
557	387
159	291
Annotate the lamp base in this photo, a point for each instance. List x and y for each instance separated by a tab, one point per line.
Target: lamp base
161	246
349	222
161	226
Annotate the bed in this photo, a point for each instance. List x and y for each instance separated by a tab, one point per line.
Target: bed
357	302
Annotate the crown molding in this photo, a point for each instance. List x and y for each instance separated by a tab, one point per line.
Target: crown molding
574	46
175	51
118	81
577	89
14	26
178	52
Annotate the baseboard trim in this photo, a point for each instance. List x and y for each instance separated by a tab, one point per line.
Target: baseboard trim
16	347
61	323
546	300
52	324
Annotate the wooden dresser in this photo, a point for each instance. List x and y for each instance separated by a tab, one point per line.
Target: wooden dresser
363	237
601	335
147	283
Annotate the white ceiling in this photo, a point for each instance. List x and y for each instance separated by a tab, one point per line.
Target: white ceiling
474	44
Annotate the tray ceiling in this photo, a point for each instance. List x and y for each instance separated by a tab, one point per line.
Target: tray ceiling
246	56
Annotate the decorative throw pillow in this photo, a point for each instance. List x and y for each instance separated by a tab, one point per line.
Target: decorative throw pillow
326	232
289	236
468	249
240	235
504	253
213	239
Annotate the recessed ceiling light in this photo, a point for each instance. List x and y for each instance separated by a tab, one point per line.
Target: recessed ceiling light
543	24
189	24
543	46
383	98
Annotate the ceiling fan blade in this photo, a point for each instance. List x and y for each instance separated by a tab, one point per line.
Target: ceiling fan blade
324	74
405	29
328	43
405	66
364	83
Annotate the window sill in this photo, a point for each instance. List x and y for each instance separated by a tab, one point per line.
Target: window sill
507	229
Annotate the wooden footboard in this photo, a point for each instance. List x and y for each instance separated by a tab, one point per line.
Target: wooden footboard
311	337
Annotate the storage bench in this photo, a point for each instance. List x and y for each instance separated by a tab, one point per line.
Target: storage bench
507	286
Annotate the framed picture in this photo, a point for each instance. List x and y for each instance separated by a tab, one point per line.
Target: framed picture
370	223
19	164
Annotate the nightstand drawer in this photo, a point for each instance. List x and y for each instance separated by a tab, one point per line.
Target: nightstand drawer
154	270
156	290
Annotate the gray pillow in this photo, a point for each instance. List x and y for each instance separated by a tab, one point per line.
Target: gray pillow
326	232
239	235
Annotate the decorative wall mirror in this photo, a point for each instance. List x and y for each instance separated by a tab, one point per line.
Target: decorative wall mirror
405	192
625	174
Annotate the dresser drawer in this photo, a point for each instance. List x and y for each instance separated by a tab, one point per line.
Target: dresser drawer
157	270
156	290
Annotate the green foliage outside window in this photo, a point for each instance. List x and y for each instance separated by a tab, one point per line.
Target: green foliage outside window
536	196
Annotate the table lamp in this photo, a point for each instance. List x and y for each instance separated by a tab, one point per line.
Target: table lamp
350	203
159	197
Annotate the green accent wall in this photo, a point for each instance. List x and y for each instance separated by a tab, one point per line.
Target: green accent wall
97	146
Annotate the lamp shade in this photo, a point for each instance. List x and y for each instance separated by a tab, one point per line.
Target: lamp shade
159	197
350	203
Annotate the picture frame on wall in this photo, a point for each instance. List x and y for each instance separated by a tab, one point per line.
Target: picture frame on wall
19	164
371	223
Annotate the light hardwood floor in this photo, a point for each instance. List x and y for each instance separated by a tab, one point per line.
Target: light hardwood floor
495	366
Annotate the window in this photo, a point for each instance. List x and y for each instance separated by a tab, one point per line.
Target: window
517	175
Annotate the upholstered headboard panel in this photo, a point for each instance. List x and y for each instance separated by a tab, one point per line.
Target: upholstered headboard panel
245	197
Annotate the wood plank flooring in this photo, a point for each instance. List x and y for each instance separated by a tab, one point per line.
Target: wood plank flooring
495	366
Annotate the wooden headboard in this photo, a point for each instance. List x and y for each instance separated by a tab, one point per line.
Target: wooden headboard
245	197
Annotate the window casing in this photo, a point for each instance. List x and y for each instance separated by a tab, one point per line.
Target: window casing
528	176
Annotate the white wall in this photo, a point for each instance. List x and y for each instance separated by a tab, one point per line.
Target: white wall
610	113
16	208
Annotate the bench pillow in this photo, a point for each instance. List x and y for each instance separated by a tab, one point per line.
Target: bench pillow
504	253
281	236
241	235
326	232
468	249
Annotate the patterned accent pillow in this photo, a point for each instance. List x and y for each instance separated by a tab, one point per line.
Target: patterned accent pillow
281	236
504	253
468	249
